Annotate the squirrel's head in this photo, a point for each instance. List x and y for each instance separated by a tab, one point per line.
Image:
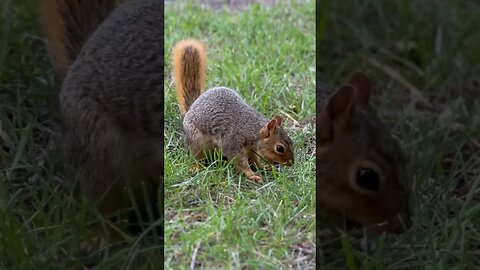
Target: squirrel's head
361	174
274	145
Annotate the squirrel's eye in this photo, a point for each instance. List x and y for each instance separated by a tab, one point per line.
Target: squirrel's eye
280	148
368	179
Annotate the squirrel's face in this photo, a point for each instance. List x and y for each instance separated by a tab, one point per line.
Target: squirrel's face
361	173
275	146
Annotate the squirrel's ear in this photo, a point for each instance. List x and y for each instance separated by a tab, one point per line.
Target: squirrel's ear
341	102
363	86
271	127
278	119
336	115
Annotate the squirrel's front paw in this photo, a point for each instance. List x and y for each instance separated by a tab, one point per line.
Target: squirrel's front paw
255	178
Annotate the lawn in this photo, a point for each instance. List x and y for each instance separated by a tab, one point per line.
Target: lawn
423	57
214	216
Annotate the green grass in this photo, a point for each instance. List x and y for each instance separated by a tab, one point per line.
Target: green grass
435	48
216	217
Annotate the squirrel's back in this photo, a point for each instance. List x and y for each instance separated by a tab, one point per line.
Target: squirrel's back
221	111
121	68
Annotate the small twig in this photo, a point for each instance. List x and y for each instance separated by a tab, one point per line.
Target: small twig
230	199
290	117
403	61
194	257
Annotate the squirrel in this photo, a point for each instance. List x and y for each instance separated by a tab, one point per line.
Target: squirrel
108	55
361	169
220	119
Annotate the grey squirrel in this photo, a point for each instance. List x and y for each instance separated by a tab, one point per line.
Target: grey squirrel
220	119
109	57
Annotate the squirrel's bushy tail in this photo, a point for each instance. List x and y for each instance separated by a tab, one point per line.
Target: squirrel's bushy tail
68	24
189	70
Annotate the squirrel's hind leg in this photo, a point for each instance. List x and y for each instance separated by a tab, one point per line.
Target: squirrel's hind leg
198	143
106	164
90	145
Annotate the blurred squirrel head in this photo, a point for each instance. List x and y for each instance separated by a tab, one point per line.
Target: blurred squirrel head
274	144
361	173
